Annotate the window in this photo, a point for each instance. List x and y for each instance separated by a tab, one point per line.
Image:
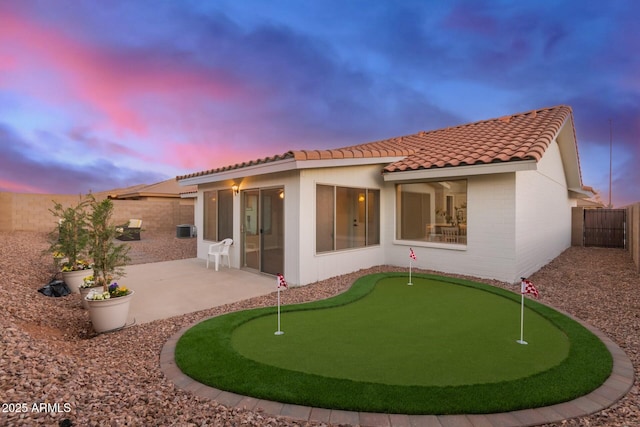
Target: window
324	218
218	215
346	218
432	211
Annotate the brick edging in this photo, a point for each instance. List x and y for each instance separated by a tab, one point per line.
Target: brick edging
613	389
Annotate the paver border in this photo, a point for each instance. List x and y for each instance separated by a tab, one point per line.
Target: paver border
612	390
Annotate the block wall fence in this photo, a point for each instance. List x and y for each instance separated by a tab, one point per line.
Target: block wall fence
30	212
633	230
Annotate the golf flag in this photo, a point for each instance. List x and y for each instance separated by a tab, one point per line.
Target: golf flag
526	287
281	284
412	257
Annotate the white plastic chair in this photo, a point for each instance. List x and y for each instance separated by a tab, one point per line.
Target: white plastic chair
218	251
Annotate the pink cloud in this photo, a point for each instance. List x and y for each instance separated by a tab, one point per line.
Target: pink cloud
110	83
19	187
203	156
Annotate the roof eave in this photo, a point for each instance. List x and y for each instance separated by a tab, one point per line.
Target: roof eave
461	171
283	166
580	193
252	170
567	143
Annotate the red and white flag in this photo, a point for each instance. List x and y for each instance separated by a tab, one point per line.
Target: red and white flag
528	288
281	281
412	254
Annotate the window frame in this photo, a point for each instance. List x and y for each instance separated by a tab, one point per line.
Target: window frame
370	238
446	206
227	194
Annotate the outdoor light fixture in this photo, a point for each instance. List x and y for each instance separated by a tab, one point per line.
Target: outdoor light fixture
281	194
234	187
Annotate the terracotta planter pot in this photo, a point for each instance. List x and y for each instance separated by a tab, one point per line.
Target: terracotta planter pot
109	314
73	279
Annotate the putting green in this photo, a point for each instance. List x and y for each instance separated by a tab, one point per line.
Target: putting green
441	346
431	333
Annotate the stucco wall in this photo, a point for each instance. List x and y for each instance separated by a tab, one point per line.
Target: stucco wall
30	212
543	213
516	221
314	267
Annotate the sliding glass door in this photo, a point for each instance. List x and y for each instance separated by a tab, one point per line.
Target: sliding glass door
263	230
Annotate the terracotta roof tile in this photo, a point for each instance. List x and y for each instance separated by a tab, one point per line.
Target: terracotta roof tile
522	136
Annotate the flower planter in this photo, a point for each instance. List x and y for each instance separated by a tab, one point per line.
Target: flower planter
109	314
73	279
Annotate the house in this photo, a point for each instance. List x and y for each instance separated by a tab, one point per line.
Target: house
489	199
163	190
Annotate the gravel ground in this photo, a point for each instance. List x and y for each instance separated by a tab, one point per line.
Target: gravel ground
54	368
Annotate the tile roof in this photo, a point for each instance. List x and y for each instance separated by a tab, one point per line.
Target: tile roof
522	136
167	188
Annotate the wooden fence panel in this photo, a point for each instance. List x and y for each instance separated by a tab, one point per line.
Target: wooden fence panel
605	228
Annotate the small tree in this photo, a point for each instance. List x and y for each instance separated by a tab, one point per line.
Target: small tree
109	258
71	236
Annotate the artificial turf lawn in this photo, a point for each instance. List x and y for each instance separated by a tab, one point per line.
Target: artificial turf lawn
441	346
431	333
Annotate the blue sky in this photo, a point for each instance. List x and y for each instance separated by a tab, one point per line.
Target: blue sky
105	94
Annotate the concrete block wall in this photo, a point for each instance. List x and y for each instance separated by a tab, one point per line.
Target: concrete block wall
577	226
156	216
30	212
6	211
633	233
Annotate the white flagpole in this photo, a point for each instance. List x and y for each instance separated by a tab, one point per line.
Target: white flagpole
521	340
278	332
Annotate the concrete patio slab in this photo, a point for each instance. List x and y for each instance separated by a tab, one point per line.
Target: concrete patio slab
171	288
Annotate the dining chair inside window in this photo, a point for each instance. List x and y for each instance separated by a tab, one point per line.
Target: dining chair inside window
450	234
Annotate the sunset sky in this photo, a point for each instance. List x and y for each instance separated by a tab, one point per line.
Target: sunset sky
96	95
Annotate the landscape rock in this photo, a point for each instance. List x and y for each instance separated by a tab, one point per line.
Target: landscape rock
49	353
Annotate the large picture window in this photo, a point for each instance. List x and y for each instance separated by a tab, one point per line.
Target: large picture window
432	211
218	215
346	218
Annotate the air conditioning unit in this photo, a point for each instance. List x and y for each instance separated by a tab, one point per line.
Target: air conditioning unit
185	231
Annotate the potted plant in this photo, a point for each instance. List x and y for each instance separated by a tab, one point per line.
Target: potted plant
88	284
109	306
69	242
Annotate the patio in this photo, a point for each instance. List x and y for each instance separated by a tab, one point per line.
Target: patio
170	288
